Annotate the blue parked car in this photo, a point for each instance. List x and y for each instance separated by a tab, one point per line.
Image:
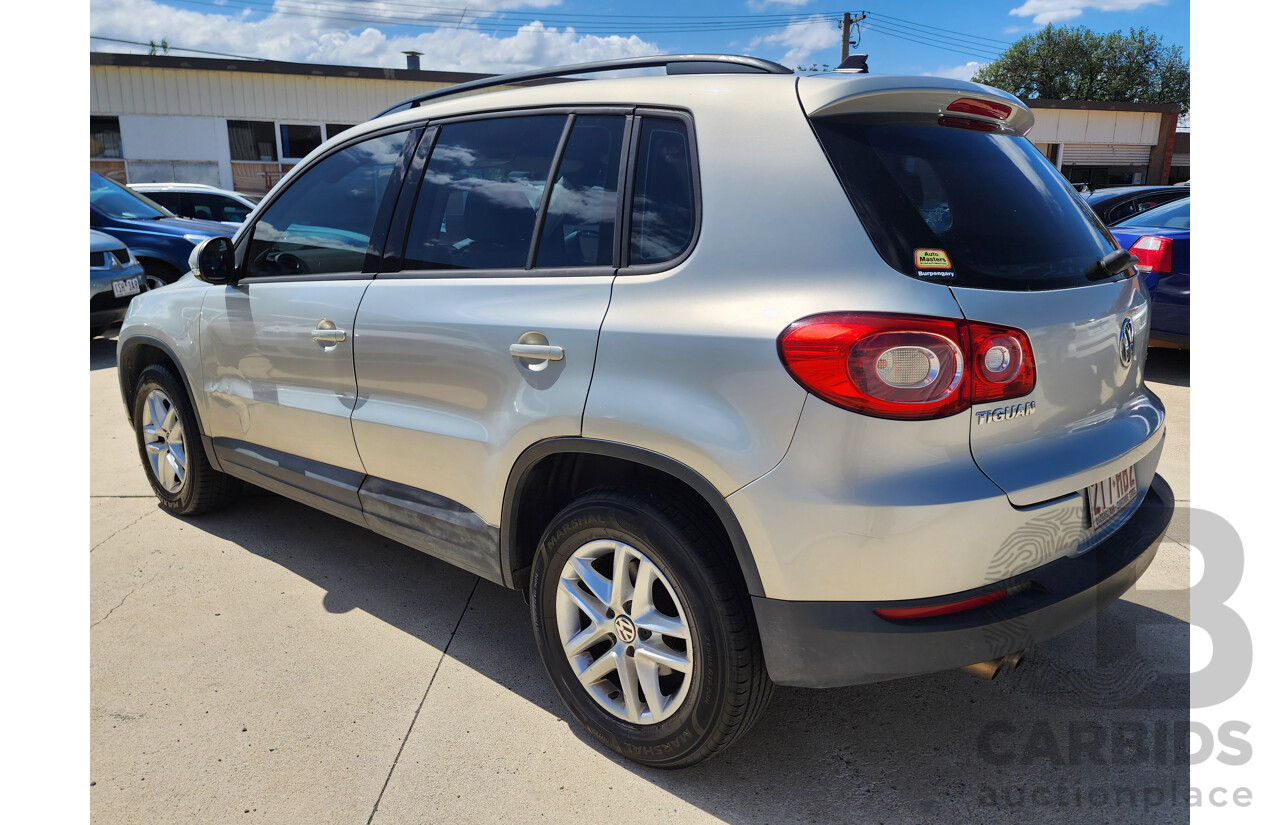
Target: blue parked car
160	240
1161	240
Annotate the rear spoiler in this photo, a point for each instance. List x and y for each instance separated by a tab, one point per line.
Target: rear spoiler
831	95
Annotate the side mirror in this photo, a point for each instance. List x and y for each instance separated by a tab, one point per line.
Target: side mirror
214	261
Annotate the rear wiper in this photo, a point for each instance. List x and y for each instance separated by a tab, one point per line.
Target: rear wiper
1112	264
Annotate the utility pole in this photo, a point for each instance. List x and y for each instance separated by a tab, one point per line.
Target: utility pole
846	23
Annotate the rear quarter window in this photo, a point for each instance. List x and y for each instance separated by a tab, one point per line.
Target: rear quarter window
961	207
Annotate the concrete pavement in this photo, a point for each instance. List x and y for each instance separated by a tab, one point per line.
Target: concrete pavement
271	663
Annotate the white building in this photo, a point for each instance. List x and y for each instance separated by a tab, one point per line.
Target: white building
236	124
241	124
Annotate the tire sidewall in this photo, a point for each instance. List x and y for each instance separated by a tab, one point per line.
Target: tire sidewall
673	739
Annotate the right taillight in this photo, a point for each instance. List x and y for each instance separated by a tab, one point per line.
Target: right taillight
1154	254
906	366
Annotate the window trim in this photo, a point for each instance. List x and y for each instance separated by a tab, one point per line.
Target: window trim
626	268
393	257
377	237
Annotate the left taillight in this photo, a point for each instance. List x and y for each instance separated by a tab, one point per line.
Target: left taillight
1154	254
906	366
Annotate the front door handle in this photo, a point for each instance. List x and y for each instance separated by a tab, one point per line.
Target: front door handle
537	352
327	332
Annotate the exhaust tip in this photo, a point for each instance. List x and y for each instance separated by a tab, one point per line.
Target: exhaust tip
991	668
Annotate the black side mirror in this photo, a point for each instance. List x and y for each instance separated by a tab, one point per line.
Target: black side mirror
214	261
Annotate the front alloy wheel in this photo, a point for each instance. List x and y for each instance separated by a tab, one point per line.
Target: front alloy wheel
165	442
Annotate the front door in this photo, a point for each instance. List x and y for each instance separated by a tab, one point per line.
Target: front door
277	346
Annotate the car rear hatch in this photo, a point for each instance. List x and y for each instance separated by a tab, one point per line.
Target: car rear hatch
951	192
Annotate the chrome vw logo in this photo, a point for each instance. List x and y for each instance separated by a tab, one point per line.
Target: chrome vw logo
626	629
1126	342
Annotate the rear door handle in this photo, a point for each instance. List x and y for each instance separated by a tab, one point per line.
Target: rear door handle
537	352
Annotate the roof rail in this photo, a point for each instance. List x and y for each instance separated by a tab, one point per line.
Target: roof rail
674	63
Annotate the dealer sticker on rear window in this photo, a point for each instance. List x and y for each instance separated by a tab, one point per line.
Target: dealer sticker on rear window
932	259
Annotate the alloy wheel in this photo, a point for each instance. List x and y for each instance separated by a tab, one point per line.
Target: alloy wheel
624	632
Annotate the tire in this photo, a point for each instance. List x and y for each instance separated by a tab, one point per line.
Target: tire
158	273
714	686
171	450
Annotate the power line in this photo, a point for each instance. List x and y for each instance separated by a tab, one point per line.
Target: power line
173	48
935	28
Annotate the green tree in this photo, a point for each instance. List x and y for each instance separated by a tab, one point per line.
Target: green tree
1078	64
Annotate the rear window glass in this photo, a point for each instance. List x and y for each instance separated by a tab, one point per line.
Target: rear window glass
963	208
1176	215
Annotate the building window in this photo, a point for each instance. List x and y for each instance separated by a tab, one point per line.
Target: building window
297	140
104	137
252	140
331	129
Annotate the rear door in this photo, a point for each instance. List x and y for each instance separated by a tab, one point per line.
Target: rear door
277	346
951	193
478	338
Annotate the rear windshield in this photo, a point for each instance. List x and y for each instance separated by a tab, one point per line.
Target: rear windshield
1176	215
961	207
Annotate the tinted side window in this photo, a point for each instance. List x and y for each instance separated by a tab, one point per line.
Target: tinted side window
323	221
662	208
169	200
217	208
480	193
579	226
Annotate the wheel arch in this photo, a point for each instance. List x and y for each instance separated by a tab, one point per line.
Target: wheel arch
141	351
550	473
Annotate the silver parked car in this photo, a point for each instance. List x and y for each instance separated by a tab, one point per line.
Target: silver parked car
742	377
115	277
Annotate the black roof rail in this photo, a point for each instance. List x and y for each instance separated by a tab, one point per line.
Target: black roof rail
674	64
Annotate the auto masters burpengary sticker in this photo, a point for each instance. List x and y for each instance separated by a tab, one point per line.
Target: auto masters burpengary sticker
933	263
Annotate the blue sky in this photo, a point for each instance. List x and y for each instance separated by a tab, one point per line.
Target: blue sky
924	37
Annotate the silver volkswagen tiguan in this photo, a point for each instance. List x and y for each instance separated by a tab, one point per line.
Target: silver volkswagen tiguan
744	378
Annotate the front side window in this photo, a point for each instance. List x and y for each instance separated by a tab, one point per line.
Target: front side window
662	216
217	208
323	221
480	193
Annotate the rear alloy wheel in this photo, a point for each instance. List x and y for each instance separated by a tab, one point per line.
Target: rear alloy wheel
645	627
170	447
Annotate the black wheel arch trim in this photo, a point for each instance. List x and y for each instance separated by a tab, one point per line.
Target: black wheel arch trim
517	479
126	391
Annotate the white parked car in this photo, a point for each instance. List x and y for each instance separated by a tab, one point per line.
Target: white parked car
197	200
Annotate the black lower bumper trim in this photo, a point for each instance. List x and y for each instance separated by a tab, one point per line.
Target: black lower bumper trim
828	644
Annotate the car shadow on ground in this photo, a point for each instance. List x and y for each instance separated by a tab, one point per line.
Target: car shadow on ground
1092	727
1169	366
102	351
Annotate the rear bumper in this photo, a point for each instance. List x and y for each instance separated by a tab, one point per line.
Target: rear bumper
828	644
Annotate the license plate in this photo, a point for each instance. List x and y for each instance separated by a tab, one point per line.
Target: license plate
127	286
1108	498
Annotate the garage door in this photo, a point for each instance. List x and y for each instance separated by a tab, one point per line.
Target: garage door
1104	154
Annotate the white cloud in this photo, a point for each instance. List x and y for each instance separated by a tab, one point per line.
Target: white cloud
1056	11
962	72
804	37
761	5
452	47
